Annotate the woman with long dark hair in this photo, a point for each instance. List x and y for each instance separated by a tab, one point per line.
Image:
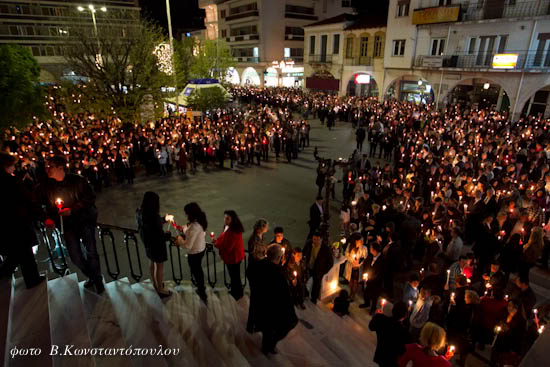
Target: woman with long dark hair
256	252
154	238
194	242
230	245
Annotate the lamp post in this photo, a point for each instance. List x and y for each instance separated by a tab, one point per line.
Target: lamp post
92	12
172	49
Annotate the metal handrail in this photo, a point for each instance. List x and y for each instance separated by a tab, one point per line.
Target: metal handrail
129	235
106	231
58	267
210	250
177	278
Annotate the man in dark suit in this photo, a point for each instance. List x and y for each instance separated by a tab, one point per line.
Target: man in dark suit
360	135
391	335
375	270
318	261
276	314
315	216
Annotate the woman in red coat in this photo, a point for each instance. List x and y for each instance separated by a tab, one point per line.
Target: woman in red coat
230	245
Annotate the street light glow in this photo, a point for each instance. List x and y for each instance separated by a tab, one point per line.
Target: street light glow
91	7
103	9
80	8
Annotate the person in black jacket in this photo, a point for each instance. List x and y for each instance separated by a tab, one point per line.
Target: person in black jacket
79	217
154	239
315	216
276	316
16	225
375	267
318	261
391	335
360	135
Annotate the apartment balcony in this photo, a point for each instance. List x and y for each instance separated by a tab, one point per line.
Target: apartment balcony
245	37
357	61
486	61
320	59
245	14
295	59
496	9
246	59
294	37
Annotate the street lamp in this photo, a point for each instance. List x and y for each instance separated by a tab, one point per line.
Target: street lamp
168	15
92	11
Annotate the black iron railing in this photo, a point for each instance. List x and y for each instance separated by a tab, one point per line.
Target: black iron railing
52	239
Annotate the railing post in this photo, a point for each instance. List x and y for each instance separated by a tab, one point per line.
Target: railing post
127	237
210	251
107	232
59	268
177	278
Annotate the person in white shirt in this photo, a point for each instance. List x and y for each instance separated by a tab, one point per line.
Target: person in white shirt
454	249
194	242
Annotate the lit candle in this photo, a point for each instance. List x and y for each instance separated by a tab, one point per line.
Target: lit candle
383	302
497	331
448	276
59	205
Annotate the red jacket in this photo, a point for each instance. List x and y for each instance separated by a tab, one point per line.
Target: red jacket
230	245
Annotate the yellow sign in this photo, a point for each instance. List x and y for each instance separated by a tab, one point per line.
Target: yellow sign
505	61
440	14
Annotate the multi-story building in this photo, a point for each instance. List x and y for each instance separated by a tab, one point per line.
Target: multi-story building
345	54
43	27
492	53
266	36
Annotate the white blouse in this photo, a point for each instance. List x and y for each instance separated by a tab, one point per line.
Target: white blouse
195	238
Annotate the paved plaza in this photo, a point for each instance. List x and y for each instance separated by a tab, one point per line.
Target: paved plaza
278	191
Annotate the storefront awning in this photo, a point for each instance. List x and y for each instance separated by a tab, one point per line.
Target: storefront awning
324	84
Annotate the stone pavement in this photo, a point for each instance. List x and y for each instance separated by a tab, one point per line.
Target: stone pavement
277	191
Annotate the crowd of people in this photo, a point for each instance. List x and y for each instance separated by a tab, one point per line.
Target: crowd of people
451	203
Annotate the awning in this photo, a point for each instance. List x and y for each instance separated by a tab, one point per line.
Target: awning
323	84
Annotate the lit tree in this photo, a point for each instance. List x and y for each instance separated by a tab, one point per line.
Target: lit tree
123	70
212	59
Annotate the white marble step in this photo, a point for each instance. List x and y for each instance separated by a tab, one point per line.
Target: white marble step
221	334
165	331
134	322
103	327
330	333
190	328
68	323
29	325
5	299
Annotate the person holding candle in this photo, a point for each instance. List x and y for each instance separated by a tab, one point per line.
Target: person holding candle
79	217
454	270
508	339
230	246
410	291
294	269
154	239
375	267
425	354
355	254
16	225
465	322
421	311
256	250
279	238
194	242
531	251
391	335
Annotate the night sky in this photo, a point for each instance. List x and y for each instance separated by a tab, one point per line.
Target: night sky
186	14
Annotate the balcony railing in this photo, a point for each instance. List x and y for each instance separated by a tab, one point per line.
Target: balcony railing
300	16
496	9
360	60
244	37
249	59
320	59
526	60
249	13
294	37
296	59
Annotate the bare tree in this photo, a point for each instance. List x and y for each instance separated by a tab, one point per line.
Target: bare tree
118	58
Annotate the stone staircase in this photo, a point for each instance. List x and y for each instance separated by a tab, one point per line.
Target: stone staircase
61	315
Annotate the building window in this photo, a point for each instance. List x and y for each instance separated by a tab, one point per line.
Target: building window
542	55
312	45
336	44
502	44
403	8
349	47
286	52
35	50
346	3
472	46
438	46
378	45
222	14
224	33
364	46
445	2
398	48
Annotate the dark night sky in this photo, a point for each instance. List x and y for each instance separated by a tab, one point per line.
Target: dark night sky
186	14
